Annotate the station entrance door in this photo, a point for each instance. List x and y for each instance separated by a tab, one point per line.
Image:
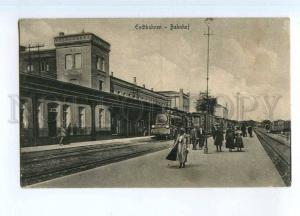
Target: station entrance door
52	119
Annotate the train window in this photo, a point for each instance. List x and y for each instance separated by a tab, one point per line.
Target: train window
176	121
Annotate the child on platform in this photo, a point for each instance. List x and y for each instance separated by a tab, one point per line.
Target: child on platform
239	142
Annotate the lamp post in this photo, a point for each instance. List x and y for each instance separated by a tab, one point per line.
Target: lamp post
208	22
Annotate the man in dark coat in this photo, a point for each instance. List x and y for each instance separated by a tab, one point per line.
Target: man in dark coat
250	131
214	131
243	128
219	139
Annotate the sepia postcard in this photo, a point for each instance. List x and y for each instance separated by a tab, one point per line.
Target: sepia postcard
154	102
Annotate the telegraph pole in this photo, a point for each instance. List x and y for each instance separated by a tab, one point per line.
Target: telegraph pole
207	21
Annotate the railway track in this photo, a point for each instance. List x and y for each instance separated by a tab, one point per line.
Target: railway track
35	170
279	152
69	152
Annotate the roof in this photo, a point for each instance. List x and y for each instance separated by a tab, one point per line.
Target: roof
137	86
79	38
171	93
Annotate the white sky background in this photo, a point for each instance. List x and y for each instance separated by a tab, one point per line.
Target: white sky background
250	56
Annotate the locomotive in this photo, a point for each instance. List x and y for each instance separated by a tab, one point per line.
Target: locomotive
167	123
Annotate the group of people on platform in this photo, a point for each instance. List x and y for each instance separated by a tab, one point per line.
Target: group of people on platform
196	137
233	137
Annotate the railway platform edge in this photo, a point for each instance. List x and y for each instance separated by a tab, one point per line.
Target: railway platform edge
86	143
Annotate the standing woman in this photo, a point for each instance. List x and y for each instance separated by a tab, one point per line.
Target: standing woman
229	137
201	136
214	131
219	139
63	134
194	137
182	148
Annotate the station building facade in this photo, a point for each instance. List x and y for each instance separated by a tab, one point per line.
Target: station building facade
178	100
70	85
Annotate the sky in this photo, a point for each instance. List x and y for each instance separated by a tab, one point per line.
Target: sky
249	70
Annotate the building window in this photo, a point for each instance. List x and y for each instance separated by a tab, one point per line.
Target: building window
100	63
100	85
30	68
69	62
81	117
44	67
100	118
78	60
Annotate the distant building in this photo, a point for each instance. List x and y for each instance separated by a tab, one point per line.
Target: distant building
178	100
221	111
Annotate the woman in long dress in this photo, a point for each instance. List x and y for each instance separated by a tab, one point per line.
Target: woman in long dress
229	139
182	150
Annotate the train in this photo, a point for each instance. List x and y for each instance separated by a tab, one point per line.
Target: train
167	122
279	126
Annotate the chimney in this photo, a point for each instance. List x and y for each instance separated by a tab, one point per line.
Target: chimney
112	74
61	33
134	80
180	104
144	86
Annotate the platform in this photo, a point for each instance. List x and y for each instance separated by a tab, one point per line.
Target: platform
250	168
86	143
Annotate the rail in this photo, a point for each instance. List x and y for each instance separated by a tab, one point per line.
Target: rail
279	152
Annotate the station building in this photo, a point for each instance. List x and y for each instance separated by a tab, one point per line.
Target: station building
71	85
221	114
178	100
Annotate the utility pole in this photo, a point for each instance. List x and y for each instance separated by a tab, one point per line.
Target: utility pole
207	21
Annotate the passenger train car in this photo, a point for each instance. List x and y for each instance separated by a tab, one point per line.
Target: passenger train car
279	126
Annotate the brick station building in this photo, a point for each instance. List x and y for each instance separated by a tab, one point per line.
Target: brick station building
70	85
